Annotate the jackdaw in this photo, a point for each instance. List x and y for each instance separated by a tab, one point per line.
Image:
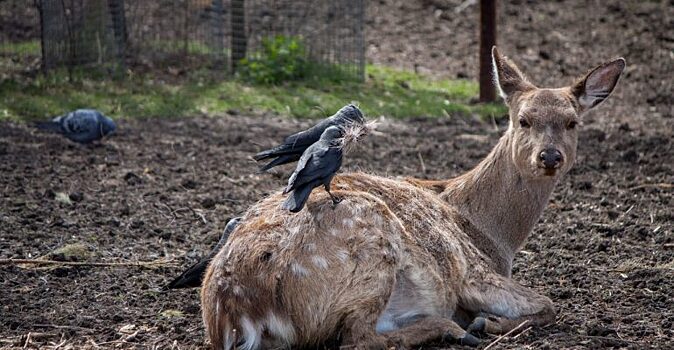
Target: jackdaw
316	167
294	145
193	276
82	125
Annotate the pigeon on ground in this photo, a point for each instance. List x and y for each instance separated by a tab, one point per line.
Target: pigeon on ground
294	145
193	276
316	167
82	125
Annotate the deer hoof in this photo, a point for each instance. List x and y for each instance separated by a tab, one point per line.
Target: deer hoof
478	325
466	339
469	339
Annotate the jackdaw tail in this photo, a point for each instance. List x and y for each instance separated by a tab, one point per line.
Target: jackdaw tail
49	126
296	199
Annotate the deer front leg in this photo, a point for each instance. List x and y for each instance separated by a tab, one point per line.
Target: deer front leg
503	304
429	329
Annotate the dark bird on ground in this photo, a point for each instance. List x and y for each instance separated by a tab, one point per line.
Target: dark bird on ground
316	167
193	276
82	125
294	145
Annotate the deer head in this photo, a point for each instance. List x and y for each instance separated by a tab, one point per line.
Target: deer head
544	122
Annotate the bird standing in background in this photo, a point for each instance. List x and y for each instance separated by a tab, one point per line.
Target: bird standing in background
294	145
317	166
193	276
82	125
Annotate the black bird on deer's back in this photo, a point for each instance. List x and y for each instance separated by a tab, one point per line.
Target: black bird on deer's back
294	145
316	167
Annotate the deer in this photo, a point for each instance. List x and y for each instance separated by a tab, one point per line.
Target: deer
403	262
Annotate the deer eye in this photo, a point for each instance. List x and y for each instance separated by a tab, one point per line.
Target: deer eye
524	123
572	124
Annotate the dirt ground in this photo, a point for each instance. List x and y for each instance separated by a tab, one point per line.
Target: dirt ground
164	189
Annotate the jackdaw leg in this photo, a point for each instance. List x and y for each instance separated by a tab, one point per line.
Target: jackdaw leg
335	199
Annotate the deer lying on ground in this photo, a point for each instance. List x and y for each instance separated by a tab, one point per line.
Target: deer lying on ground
404	262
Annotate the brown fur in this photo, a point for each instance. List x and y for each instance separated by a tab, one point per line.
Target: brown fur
396	263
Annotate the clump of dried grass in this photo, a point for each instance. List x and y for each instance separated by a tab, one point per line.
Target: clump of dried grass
353	132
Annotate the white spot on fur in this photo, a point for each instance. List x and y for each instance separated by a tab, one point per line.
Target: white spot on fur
252	333
320	262
299	270
280	328
377	221
319	216
294	230
335	232
385	325
342	255
348	223
238	291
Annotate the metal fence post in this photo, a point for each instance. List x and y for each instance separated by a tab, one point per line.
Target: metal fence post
239	42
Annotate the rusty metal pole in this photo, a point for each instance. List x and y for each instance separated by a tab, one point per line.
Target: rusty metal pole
487	41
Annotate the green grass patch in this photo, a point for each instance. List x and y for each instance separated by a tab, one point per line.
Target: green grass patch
386	91
31	47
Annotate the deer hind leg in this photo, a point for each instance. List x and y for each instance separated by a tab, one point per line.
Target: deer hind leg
503	305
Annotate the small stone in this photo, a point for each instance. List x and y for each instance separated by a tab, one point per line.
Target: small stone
132	179
630	156
189	184
624	127
76	196
136	224
603	246
208	203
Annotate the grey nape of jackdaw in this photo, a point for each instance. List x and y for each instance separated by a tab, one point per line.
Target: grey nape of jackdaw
194	275
82	125
294	145
316	167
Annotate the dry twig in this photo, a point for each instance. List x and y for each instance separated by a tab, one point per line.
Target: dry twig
658	185
505	335
83	263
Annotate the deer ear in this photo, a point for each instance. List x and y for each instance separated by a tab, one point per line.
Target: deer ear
507	77
597	85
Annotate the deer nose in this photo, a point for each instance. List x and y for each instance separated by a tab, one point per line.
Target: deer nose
551	158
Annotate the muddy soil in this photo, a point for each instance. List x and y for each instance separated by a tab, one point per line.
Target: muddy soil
164	189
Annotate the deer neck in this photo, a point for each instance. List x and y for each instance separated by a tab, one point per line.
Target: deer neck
500	203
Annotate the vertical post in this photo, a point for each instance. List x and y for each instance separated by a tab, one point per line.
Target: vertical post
186	35
43	63
218	34
119	28
487	41
361	38
238	42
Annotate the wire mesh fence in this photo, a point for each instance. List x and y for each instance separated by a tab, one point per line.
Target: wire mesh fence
187	33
